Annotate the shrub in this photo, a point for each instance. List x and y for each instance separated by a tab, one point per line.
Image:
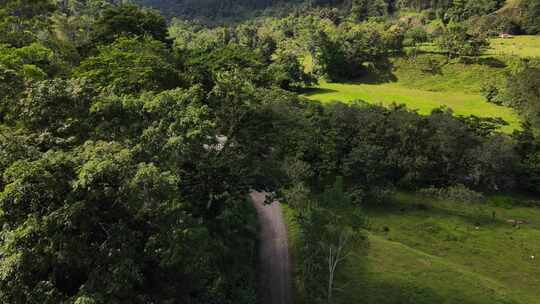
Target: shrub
491	92
456	193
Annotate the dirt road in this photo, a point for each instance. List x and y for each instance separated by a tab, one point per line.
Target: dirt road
275	278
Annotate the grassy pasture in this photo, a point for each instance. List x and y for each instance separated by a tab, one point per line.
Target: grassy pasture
426	251
522	46
426	84
432	81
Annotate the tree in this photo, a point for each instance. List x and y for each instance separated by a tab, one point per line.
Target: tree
96	224
59	107
205	67
129	20
362	9
287	71
531	19
21	20
414	37
457	41
495	163
330	231
20	67
330	58
131	65
523	93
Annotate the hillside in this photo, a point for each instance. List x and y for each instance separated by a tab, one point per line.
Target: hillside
220	11
431	251
511	8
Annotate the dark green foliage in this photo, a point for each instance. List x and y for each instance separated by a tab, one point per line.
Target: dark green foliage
205	67
523	93
362	9
531	20
131	65
415	36
57	107
375	149
457	40
355	49
21	20
330	228
127	20
331	59
464	9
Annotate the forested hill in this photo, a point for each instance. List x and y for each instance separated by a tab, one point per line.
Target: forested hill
219	11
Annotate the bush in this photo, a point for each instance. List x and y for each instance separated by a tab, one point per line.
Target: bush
491	92
457	41
456	193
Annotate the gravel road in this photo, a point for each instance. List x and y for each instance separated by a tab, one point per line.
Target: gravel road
275	279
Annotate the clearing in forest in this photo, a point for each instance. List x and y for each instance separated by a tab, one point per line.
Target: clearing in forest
425	83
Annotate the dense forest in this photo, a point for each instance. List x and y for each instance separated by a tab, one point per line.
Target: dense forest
129	141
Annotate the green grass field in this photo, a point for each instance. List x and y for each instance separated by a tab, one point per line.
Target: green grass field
522	46
425	251
422	100
454	85
432	81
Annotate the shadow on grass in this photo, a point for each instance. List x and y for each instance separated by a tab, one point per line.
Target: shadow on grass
375	73
315	91
359	283
483	215
380	72
491	62
371	291
368	290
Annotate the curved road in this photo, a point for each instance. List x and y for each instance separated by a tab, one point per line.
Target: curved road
275	279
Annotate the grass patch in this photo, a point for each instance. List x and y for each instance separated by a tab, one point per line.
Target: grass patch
524	46
395	273
425	84
422	100
494	258
427	251
521	46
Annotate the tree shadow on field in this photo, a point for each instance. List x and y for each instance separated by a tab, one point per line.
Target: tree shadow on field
479	213
315	91
491	62
361	284
380	72
374	291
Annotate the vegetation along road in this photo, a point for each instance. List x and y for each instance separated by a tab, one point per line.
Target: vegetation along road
274	254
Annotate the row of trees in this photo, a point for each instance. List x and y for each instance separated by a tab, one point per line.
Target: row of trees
298	49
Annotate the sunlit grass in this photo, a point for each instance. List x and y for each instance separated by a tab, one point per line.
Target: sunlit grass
519	46
422	100
522	46
451	84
